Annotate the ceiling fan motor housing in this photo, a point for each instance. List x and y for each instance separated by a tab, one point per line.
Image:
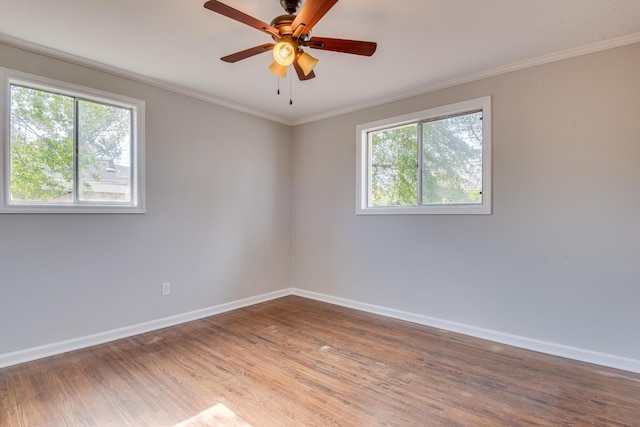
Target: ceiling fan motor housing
283	24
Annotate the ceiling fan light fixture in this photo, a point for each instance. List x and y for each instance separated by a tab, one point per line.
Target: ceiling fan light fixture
306	62
284	52
278	70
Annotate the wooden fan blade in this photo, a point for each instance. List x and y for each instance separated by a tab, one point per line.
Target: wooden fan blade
243	54
300	73
232	13
341	45
311	13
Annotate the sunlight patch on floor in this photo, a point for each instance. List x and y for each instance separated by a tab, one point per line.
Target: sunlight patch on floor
217	415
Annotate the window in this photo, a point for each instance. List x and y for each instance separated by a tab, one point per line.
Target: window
435	161
67	148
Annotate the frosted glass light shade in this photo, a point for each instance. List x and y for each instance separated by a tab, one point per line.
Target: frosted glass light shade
306	63
278	70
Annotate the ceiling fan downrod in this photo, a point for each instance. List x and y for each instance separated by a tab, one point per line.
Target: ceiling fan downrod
290	6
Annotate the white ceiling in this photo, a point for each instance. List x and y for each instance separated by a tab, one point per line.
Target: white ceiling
422	44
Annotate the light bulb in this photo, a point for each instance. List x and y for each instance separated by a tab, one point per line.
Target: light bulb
284	52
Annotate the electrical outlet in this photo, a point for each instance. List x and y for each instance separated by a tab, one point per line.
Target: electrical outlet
166	288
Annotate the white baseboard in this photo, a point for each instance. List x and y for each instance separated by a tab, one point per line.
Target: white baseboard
602	359
14	358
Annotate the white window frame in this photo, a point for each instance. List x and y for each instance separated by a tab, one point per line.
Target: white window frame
137	205
362	178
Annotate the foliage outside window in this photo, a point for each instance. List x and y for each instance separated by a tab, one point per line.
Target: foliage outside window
69	149
436	161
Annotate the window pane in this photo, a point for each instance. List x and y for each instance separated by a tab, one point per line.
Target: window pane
41	146
104	152
393	173
452	160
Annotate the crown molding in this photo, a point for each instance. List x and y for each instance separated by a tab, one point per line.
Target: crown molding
119	72
492	72
161	84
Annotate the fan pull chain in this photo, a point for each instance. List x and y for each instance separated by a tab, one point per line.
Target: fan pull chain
290	87
278	78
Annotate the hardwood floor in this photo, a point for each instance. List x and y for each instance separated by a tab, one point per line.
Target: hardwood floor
299	362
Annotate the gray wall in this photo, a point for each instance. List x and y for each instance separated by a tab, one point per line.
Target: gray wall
558	261
217	223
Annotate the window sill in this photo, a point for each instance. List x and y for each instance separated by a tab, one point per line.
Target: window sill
57	209
427	210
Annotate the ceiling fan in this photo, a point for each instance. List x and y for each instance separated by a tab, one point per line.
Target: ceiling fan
291	32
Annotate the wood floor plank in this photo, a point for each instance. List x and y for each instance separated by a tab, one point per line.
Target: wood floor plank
299	362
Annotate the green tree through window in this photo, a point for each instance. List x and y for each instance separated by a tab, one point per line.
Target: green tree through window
452	160
394	172
435	161
41	145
